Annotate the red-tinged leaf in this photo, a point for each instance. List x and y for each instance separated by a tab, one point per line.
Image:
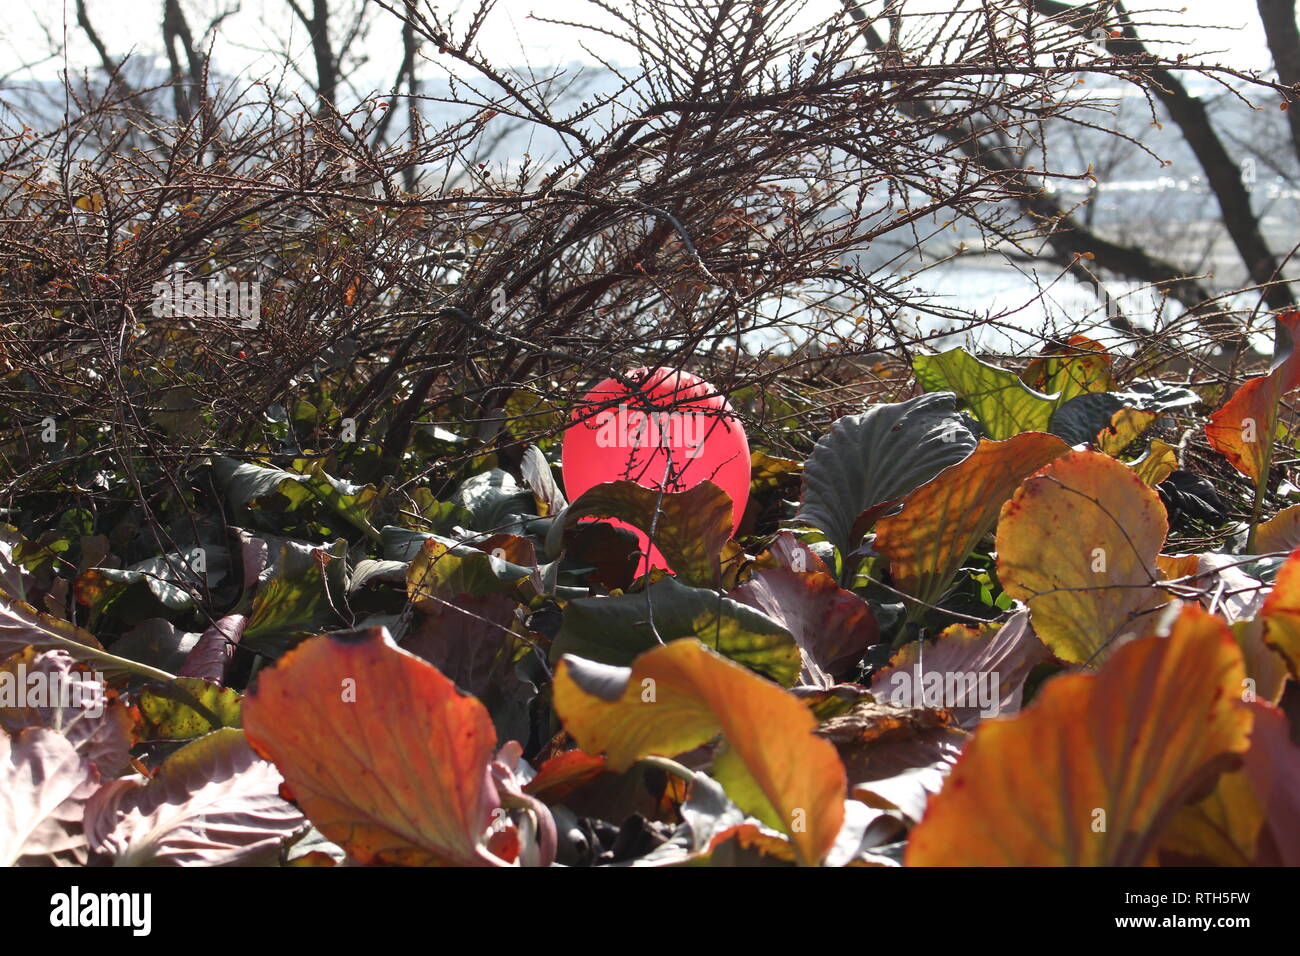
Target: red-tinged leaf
1081	366
975	673
943	520
215	649
101	727
379	749
44	785
1242	430
1094	770
211	803
563	774
787	551
1078	543
681	695
833	627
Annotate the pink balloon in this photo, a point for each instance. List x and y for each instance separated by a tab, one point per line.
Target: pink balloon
674	429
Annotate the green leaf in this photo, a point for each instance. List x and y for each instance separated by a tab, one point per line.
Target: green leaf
299	598
186	708
254	489
1003	404
442	570
867	463
159	587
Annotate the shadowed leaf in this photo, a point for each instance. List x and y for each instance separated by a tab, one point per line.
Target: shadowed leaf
833	627
863	467
614	630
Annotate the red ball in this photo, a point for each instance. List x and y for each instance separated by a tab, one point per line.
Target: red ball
673	429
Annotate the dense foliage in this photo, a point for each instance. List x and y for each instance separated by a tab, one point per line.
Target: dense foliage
968	627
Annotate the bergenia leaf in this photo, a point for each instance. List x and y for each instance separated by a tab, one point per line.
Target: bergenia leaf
212	803
943	520
681	695
1078	542
44	786
867	463
833	627
1094	770
72	701
999	400
379	749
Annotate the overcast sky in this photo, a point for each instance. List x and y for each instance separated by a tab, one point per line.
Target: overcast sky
510	36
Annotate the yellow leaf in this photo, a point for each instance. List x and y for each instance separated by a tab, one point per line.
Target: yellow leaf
680	695
1078	543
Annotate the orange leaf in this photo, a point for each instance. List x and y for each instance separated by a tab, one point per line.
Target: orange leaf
1281	614
1243	428
680	695
1253	816
1078	543
1094	770
943	520
1279	533
379	749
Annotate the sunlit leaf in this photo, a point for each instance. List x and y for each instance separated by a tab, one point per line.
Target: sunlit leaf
211	803
867	463
681	695
1126	426
1253	816
186	708
95	719
379	749
1281	614
1077	542
1281	533
1081	366
1094	770
943	520
1003	404
1160	461
299	598
44	785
